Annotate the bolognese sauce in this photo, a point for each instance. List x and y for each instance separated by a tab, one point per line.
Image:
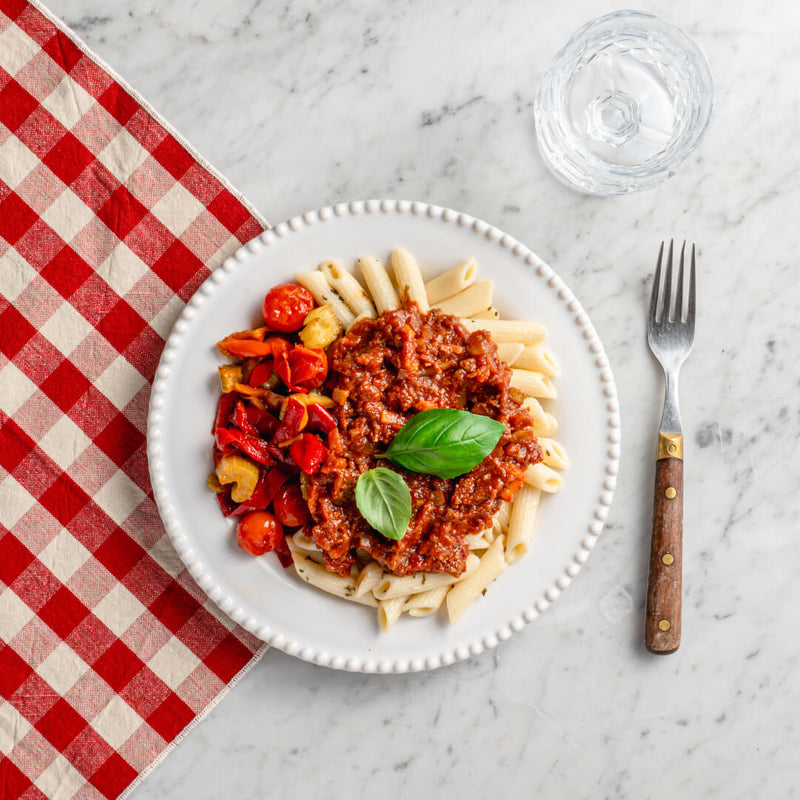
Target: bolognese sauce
384	371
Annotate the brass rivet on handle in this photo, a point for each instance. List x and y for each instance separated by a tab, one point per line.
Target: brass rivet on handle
670	492
672	448
668	559
664	625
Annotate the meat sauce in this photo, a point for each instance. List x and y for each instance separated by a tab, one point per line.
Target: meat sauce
386	370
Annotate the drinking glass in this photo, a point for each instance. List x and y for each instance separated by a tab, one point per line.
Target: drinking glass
626	100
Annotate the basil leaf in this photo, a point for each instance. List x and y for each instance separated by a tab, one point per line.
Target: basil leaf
384	501
444	442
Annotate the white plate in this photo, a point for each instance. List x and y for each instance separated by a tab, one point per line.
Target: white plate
270	601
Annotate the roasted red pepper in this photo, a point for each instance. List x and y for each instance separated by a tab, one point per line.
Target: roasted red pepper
269	483
284	553
294	420
280	355
244	348
260	374
229	439
241	419
226	505
319	418
224	409
308	453
262	420
295	415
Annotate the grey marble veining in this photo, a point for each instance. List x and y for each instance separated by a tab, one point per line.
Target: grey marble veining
306	103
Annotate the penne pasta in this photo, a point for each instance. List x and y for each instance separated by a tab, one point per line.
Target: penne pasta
452	281
348	288
489	313
490	534
477	541
408	278
365	315
533	384
509	351
542	477
475	299
426	603
492	563
391	586
389	612
303	544
315	574
553	453
521	522
544	423
537	358
368	578
500	521
504	330
323	293
378	283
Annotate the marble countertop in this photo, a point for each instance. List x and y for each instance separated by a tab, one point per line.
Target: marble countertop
309	103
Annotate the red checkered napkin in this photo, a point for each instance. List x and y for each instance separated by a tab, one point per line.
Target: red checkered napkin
108	649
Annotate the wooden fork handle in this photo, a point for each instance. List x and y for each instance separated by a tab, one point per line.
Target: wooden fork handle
663	617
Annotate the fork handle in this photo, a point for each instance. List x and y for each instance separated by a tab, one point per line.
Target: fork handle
663	616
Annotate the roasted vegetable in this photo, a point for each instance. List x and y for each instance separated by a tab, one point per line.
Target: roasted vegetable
320	328
229	376
243	474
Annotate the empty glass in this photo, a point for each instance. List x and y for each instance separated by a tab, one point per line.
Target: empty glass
626	100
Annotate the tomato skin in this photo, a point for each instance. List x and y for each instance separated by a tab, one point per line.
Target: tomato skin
286	306
259	533
290	507
300	368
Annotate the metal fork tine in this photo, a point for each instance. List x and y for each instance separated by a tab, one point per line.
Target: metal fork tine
667	286
656	283
690	310
679	294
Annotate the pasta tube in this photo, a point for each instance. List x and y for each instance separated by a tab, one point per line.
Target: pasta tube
348	288
492	563
408	277
323	293
472	300
379	284
522	522
452	281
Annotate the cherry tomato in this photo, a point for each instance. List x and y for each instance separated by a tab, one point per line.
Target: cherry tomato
286	306
301	368
290	507
309	367
259	533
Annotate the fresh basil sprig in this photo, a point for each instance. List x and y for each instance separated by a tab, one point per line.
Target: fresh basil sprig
384	501
444	442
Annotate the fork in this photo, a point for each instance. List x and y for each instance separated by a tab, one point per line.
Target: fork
670	335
